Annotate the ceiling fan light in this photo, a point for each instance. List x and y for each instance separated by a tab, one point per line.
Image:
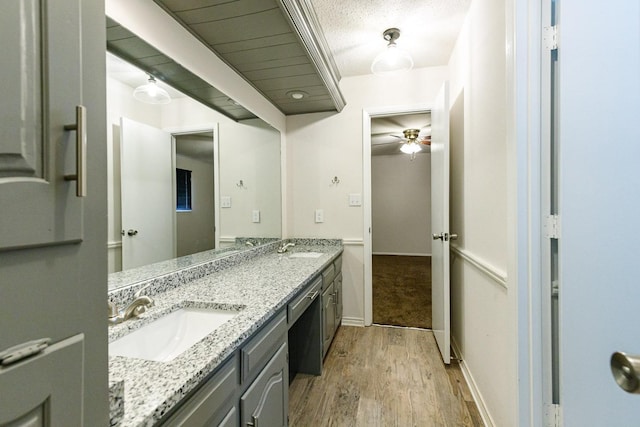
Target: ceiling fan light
410	148
151	93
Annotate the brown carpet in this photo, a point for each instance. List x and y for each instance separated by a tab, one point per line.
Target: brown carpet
402	291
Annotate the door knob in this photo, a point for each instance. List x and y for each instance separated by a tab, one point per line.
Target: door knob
626	371
453	236
132	232
437	236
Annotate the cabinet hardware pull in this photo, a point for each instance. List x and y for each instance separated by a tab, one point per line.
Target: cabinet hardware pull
253	422
80	126
312	295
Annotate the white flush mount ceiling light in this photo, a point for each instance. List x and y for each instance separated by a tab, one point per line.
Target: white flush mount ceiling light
151	93
393	59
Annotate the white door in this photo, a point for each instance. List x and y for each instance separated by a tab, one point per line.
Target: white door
148	205
53	258
440	222
599	194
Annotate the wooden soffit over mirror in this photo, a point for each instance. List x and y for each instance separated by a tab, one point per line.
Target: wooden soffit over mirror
275	45
128	46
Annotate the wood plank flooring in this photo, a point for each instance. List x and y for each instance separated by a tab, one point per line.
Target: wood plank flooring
381	376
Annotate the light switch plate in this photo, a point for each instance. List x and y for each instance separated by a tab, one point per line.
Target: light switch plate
255	215
225	201
355	199
319	215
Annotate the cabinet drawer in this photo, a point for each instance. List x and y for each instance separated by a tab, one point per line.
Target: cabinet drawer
328	274
261	347
302	301
211	402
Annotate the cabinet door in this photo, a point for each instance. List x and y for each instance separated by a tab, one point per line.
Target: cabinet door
266	401
337	284
328	318
53	255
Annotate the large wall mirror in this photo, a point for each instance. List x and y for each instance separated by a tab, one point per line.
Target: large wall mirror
184	179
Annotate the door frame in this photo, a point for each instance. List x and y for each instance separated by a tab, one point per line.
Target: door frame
186	130
367	115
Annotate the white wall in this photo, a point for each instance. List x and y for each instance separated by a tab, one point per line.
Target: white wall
250	151
195	228
483	321
401	204
323	145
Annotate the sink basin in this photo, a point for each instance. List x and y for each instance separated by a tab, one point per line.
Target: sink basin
306	255
169	336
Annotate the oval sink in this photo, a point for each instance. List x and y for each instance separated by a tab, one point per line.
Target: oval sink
169	336
306	255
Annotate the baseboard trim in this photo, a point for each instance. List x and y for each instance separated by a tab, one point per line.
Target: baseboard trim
473	387
353	321
481	265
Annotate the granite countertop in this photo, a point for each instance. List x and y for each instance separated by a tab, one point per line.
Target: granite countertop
258	287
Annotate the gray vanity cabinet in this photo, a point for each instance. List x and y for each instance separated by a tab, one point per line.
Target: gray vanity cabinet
331	302
266	400
213	404
328	318
337	291
251	387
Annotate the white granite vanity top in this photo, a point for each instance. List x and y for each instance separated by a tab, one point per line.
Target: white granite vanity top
259	287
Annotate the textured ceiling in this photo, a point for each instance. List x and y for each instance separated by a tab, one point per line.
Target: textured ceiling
353	30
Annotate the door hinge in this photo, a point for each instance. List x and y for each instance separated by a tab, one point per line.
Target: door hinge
550	37
552	415
555	288
552	227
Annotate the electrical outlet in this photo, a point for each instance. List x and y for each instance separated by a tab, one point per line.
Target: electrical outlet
225	201
255	215
319	215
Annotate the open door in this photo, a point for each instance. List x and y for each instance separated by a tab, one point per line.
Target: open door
148	205
440	222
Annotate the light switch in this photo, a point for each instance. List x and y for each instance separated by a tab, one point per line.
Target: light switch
355	199
255	215
319	215
225	201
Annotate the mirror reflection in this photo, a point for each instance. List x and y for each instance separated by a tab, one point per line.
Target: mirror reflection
183	178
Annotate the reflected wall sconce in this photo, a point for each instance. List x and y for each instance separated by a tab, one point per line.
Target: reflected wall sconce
240	184
151	93
393	58
335	181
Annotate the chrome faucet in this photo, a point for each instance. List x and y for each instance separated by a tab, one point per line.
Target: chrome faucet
138	306
249	243
282	249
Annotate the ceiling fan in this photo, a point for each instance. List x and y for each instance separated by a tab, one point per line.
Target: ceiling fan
412	140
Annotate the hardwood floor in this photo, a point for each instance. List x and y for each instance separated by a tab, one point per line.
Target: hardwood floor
381	376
